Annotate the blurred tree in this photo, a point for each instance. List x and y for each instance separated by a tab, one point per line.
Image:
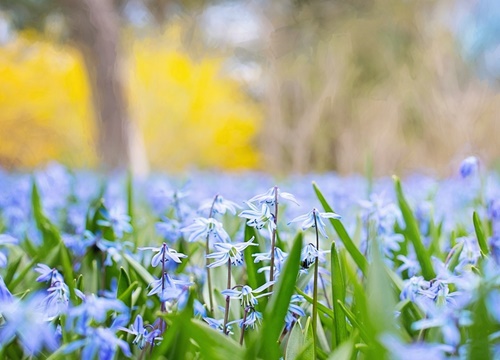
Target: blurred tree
479	33
93	25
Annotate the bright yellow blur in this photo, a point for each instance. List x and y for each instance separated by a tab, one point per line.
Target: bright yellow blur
187	111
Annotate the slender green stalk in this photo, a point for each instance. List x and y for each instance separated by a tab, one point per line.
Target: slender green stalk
323	286
226	311
242	336
207	245
273	238
315	288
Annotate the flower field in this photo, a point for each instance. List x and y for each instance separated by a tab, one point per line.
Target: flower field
220	266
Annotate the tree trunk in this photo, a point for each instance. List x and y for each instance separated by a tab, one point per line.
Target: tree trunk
94	26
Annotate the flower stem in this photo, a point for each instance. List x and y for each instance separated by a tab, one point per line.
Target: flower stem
207	250
163	308
273	238
226	311
242	336
315	289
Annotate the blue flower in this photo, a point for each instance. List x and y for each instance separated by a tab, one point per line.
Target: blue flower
5	295
229	251
469	166
164	252
294	311
313	218
169	229
113	250
279	260
253	318
168	288
6	240
101	342
117	220
218	325
219	205
142	335
202	227
93	309
57	300
48	274
269	197
24	320
246	294
259	218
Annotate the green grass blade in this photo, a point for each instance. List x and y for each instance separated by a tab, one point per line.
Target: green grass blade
413	233
351	248
353	319
481	238
277	307
321	307
338	294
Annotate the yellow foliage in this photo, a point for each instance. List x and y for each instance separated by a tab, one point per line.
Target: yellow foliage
44	105
188	113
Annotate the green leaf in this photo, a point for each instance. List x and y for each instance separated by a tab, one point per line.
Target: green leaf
213	344
277	307
353	319
481	328
67	266
481	238
124	290
338	294
50	234
343	352
22	274
176	343
295	342
254	278
351	248
307	352
454	256
413	233
139	269
12	269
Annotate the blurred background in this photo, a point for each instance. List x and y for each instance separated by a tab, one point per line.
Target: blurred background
286	86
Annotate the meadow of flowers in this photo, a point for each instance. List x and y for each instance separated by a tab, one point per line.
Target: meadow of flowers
219	266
